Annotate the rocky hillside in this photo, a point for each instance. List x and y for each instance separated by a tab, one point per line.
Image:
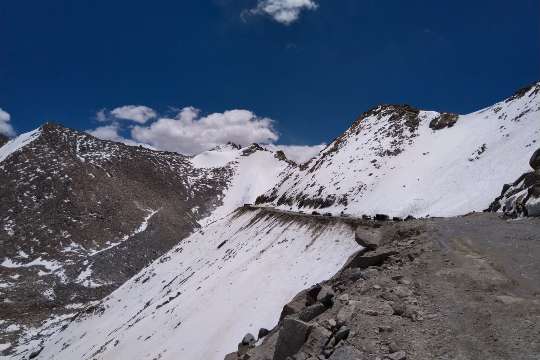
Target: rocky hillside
424	289
80	216
402	161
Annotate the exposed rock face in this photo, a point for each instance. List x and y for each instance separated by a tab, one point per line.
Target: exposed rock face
444	120
522	197
81	215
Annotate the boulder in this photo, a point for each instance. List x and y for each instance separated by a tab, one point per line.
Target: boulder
292	337
262	333
326	296
317	340
341	334
444	120
346	353
311	312
368	237
249	340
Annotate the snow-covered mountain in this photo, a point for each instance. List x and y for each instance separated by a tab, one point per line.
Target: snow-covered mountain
81	216
403	161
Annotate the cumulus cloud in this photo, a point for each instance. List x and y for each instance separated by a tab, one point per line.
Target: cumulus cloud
5	125
283	11
190	133
298	153
137	113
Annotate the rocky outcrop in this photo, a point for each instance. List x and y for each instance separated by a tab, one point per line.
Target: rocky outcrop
444	120
522	197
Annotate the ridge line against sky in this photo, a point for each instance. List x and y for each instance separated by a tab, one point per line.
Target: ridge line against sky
290	71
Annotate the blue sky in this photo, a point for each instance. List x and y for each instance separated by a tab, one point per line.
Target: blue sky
308	76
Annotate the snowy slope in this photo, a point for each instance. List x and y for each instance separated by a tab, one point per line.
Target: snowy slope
19	142
255	171
392	161
199	299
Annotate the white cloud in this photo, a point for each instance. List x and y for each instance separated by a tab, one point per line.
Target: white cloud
283	11
137	113
101	115
189	133
298	153
5	126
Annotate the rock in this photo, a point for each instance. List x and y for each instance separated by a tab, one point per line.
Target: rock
381	217
311	294
444	120
326	296
359	260
370	238
400	355
34	354
343	297
317	340
341	334
249	340
311	312
346	353
294	306
393	347
292	336
398	308
409	218
231	356
262	333
402	291
535	160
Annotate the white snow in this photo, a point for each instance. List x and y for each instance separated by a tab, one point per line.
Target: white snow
217	157
142	227
199	299
254	174
17	143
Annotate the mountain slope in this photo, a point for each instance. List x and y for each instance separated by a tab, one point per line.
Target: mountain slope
255	170
81	215
198	299
399	160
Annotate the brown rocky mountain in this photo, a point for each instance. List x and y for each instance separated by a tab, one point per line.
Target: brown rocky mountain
81	215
